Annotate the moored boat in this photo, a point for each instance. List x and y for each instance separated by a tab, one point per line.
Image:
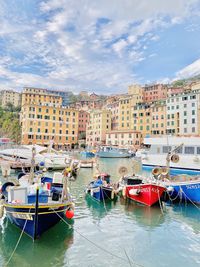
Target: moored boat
183	190
113	152
35	204
101	188
184	159
144	192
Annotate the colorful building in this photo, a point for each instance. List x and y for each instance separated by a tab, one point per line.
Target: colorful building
83	120
130	139
158	118
154	92
10	97
99	124
183	113
142	118
43	118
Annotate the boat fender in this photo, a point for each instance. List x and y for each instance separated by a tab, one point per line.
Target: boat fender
124	192
91	192
134	192
170	189
112	194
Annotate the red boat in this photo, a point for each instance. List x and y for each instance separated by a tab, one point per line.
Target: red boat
141	192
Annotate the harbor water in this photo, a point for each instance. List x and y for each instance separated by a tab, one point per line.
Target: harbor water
116	234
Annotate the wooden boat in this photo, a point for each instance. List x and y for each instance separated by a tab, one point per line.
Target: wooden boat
35	204
101	189
138	190
183	190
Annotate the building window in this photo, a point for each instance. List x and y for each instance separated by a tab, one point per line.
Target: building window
31	129
193	129
166	149
189	150
46	130
185	121
193	112
198	150
193	120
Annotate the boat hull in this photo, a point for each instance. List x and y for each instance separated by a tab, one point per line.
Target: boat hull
23	216
102	193
184	192
147	194
103	154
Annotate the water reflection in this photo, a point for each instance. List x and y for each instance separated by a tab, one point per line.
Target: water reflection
99	209
49	250
188	214
147	216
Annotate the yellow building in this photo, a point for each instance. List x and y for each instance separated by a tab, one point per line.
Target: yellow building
42	123
159	117
43	119
142	118
99	124
39	96
126	104
9	96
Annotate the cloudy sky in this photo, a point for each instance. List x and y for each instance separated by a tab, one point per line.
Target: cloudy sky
97	45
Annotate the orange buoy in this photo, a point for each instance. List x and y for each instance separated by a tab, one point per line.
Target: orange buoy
69	214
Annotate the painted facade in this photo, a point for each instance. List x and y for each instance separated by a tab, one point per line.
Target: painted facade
99	124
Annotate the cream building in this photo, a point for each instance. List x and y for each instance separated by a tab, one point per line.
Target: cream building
183	113
129	139
99	124
9	96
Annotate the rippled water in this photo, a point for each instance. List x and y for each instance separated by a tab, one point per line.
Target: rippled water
117	234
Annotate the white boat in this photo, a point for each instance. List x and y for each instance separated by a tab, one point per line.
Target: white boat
113	152
50	159
86	164
186	158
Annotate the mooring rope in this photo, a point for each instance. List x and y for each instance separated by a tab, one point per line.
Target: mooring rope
189	199
16	244
92	242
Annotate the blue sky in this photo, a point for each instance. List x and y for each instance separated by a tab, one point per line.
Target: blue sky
100	46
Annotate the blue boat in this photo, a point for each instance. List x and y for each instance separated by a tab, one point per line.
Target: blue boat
87	154
114	152
34	210
100	189
184	191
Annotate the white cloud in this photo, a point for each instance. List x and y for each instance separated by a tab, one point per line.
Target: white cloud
74	48
189	71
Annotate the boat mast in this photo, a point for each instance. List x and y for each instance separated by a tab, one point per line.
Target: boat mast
31	175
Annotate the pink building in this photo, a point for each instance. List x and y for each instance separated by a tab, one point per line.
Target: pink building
175	90
83	119
154	92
